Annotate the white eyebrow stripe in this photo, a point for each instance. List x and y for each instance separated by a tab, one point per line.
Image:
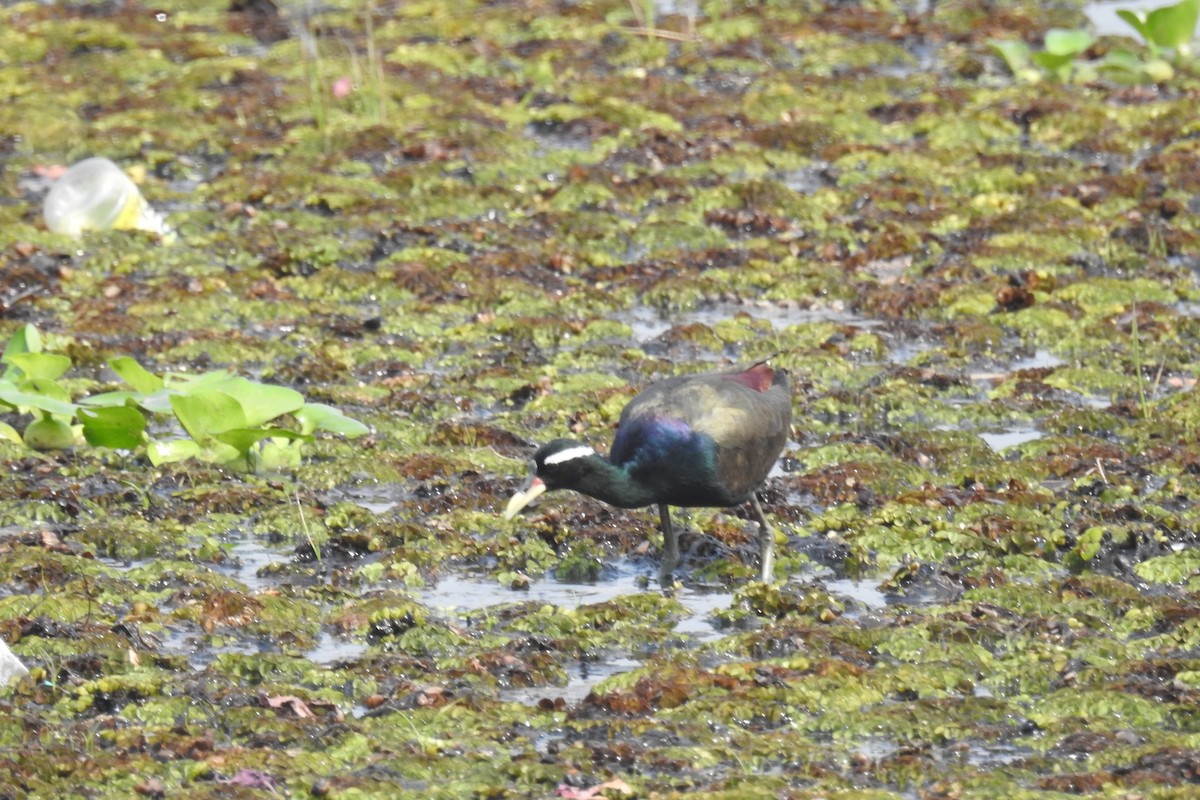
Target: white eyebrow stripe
567	455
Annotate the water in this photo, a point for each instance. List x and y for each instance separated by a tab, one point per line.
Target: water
1041	359
247	557
1002	440
582	677
459	595
378	499
650	323
865	594
330	649
684	8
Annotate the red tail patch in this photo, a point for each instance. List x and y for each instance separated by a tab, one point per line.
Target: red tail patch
758	377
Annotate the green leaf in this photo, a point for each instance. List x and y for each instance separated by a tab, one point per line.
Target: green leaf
48	433
204	414
319	417
1137	21
274	455
186	384
10	433
118	427
29	395
6	387
260	402
183	449
1124	63
1014	52
1088	544
1173	26
25	339
42	387
1052	62
157	403
216	452
45	366
119	398
1156	70
1070	43
172	451
135	375
244	438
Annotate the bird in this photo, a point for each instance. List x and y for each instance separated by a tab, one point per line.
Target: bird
699	440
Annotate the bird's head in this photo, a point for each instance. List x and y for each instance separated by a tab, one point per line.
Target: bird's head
556	465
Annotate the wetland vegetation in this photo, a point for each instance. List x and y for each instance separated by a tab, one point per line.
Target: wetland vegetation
477	225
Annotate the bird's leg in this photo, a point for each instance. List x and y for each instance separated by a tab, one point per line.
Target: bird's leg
670	551
766	542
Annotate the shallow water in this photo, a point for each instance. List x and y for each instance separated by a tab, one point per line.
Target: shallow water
865	594
458	595
1000	440
649	323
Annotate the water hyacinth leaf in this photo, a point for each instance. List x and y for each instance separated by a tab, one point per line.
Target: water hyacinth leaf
118	398
136	375
8	432
260	402
1014	52
1137	21
1157	70
118	427
157	403
41	366
1122	65
273	455
172	451
1174	26
28	395
49	433
216	452
1062	48
320	417
49	389
1054	64
204	414
7	387
25	339
242	439
1070	43
191	383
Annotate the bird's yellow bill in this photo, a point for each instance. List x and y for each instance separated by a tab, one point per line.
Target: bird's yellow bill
524	498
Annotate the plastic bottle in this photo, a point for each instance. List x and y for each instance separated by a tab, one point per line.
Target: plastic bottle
96	194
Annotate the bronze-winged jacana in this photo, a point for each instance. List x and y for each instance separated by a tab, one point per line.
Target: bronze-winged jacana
693	440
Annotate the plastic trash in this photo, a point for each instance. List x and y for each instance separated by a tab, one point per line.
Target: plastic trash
11	667
96	194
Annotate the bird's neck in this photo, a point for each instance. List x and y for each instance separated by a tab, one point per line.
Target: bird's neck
612	484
